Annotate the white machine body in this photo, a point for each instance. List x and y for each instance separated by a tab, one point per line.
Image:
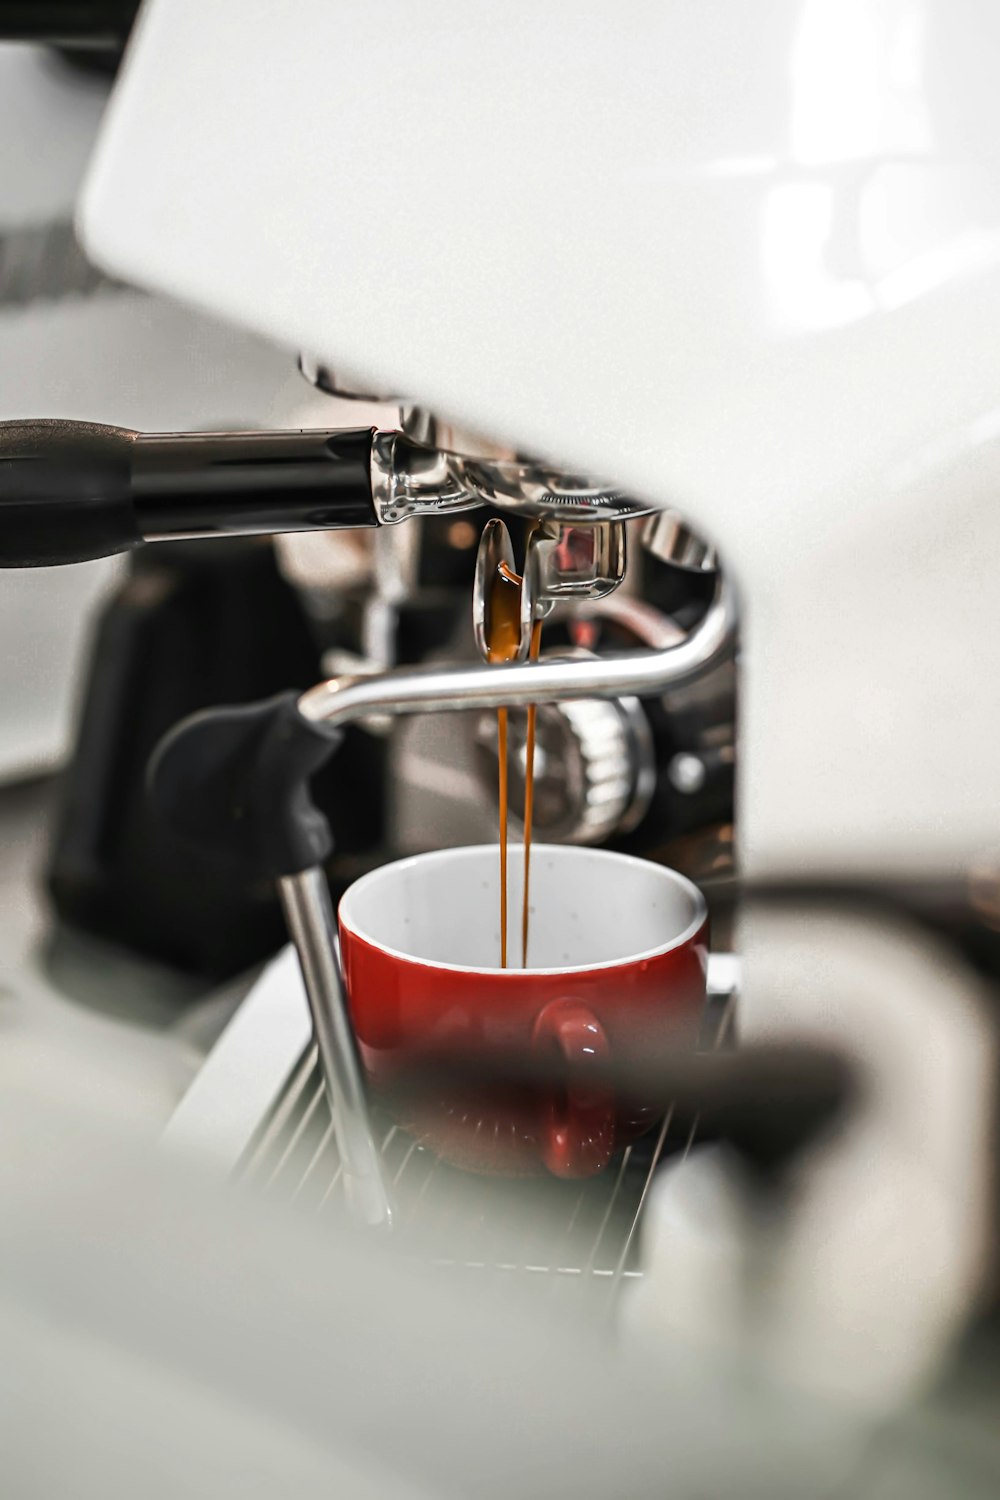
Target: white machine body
743	259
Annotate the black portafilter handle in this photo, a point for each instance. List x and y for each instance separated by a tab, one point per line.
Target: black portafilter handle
86	25
74	491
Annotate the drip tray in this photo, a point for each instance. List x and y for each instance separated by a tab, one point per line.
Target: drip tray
258	1111
584	1234
538	1226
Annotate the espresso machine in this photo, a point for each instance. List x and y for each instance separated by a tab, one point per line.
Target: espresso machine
640	769
714	293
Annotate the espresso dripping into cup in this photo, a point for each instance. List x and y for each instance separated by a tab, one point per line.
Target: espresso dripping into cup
508	627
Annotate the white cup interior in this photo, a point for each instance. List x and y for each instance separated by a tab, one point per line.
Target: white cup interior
589	908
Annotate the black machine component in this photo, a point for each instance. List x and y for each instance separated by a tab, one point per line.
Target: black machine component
79	25
236	782
72	491
192	626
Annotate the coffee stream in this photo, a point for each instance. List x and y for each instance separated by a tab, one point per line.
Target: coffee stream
529	793
502	644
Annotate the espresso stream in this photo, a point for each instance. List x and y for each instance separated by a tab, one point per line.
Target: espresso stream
502	643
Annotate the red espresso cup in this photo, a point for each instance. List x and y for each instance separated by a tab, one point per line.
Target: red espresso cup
618	950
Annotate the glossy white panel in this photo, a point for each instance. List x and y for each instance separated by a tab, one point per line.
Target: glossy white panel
743	258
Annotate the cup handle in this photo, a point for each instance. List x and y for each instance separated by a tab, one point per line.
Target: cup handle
578	1121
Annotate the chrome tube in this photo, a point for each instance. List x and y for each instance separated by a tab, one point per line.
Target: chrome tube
439	689
305	899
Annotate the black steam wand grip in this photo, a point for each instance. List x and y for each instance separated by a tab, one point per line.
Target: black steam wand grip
235	783
73	491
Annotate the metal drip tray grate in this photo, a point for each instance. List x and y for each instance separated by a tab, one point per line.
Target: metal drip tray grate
577	1233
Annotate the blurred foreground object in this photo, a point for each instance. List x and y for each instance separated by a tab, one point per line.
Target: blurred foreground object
187	1337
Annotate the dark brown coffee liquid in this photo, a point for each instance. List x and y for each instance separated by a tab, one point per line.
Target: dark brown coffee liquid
502	644
529	795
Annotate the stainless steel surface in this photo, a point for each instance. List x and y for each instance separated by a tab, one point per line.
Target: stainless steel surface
434	464
533	488
409	480
495	548
436	689
309	913
563	563
582	1237
648	625
595	770
572	563
669	538
509	480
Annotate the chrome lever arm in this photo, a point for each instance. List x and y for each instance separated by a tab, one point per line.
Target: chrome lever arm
413	690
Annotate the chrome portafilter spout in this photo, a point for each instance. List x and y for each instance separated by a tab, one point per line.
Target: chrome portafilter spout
495	570
565	562
572	562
